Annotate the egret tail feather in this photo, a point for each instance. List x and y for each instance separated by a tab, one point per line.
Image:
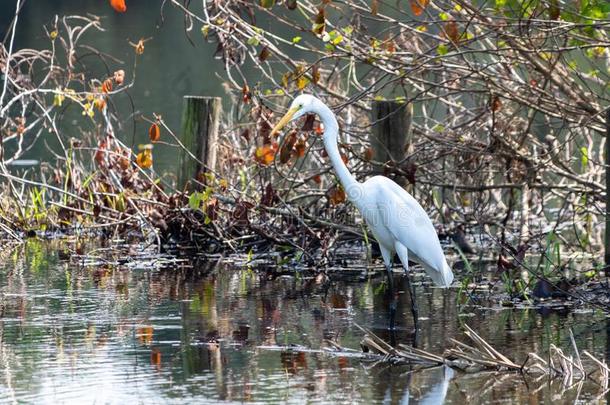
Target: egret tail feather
442	278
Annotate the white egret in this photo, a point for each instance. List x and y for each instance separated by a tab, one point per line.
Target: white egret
395	218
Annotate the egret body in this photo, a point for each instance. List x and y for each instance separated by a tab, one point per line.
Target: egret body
395	218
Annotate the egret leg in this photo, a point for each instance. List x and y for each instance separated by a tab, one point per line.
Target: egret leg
392	298
414	310
403	253
387	260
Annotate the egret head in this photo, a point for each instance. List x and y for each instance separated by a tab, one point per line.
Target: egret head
303	104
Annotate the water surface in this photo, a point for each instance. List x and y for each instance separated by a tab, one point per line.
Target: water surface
211	331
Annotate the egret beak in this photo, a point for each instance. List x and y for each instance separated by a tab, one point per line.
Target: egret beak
285	120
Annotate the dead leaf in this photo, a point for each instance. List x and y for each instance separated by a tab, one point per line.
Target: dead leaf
119	76
418	6
264	54
145	334
286	150
100	154
154	133
99	103
246	96
315	74
211	209
308	124
144	159
319	23
300	147
496	104
336	195
118	5
107	86
265	154
269	197
554	10
240	213
451	32
155	357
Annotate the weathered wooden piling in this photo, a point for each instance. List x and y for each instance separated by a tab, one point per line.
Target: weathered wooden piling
199	135
391	134
607	162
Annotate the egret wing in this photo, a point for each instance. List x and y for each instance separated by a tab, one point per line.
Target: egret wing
410	225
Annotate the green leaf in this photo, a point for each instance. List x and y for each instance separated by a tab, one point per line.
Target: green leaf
337	39
267	3
438	128
443	16
296	40
584	158
442	49
195	200
348	30
253	41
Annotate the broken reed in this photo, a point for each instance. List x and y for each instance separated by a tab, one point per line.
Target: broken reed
482	356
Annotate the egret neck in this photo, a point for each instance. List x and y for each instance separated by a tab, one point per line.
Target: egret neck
331	132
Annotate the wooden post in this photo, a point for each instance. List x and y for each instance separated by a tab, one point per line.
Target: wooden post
200	122
391	133
607	162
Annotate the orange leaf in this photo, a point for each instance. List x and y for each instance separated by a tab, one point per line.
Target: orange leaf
336	195
319	130
265	154
99	103
368	154
300	147
118	5
317	179
145	334
154	133
144	159
155	357
139	47
107	86
100	154
246	95
344	158
418	6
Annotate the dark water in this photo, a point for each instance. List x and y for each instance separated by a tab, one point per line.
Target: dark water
218	332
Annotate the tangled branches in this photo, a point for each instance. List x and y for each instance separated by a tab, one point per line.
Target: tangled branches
508	103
